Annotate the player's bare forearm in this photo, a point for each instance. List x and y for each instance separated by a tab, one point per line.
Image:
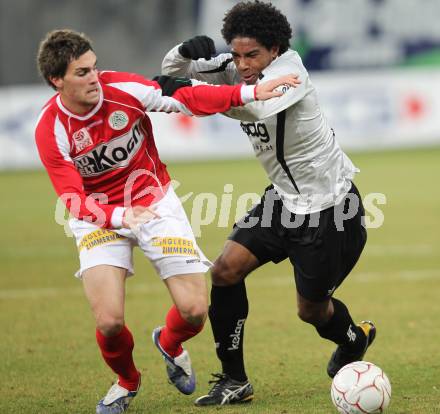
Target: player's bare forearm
267	90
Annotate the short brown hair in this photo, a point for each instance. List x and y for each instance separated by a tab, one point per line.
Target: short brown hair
57	50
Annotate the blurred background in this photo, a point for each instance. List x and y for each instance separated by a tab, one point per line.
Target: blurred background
375	63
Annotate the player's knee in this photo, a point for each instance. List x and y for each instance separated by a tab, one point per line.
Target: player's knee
315	315
195	313
224	274
110	325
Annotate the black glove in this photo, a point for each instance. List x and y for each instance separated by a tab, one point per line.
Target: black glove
170	84
198	47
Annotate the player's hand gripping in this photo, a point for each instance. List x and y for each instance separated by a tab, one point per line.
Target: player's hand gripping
276	87
135	216
170	84
198	47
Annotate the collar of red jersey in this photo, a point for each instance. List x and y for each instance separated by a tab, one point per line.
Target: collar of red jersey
89	114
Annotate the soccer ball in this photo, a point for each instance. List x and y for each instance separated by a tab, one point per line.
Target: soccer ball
361	387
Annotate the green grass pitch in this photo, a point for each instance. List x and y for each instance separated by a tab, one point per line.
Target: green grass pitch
49	362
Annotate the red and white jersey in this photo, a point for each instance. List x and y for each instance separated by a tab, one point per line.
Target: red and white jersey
110	151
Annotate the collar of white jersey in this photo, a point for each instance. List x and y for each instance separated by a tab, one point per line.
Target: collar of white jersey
88	114
279	60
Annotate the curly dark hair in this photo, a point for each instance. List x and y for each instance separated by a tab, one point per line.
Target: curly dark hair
260	21
57	50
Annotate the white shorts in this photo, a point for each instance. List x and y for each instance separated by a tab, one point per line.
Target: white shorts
168	242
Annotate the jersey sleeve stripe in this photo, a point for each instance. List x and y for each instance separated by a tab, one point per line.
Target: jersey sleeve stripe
159	103
221	68
62	140
136	89
151	97
281	126
41	115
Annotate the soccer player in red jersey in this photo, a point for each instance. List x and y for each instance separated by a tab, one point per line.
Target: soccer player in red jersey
96	142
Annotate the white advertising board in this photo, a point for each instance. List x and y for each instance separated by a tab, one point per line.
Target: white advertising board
368	111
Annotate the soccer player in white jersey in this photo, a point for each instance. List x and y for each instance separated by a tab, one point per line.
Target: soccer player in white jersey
312	213
96	142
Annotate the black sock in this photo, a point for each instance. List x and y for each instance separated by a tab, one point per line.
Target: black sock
228	313
342	330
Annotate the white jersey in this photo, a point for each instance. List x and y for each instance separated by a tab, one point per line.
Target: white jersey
290	135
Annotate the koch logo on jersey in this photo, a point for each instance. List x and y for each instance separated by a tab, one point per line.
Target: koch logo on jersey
116	153
256	129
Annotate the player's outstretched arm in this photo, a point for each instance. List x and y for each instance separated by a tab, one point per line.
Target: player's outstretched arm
197	98
261	109
263	91
267	90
